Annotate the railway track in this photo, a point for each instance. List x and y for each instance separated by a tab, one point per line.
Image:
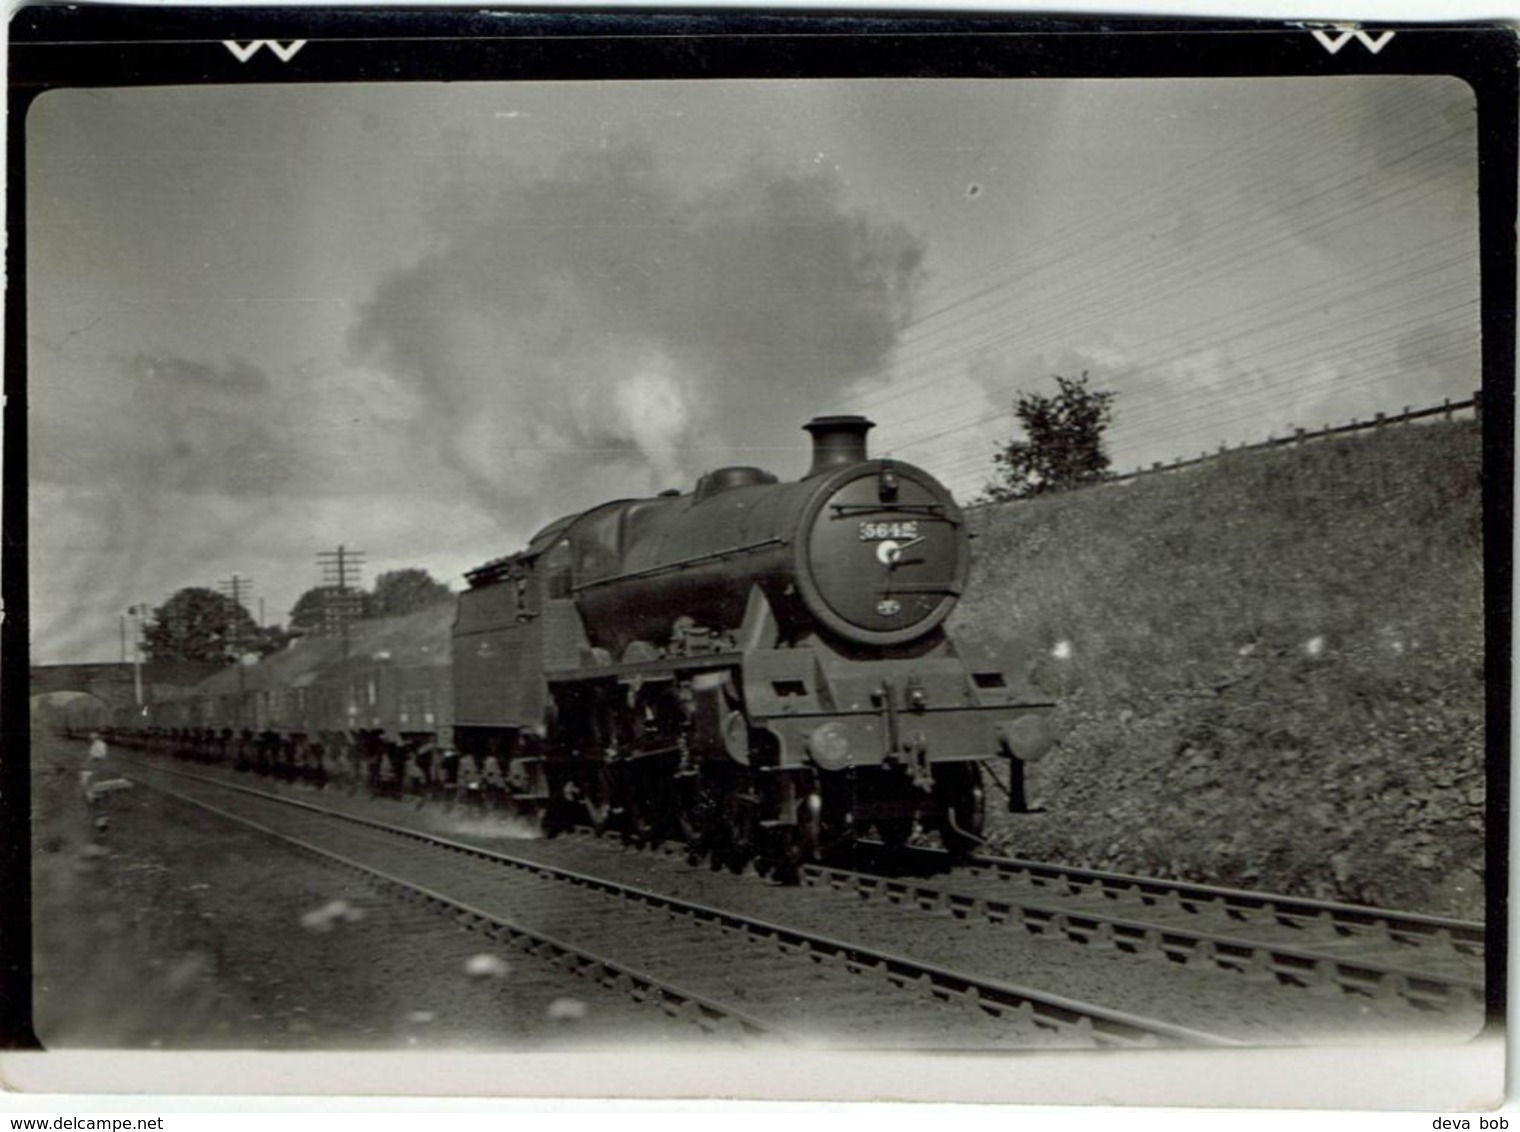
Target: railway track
1429	961
1391	970
669	996
1466	937
728	971
1426	960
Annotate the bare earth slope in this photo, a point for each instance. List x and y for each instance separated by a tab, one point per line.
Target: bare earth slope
1270	668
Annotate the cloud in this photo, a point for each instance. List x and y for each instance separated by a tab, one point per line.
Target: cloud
600	329
1158	404
170	471
166	423
96	550
589	334
176	375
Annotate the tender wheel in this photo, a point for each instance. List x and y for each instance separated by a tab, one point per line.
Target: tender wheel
962	806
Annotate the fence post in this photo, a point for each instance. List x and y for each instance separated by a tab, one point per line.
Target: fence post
1446	409
1380	420
1405	418
1300	435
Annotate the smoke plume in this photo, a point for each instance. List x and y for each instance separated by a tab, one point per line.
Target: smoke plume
597	332
135	479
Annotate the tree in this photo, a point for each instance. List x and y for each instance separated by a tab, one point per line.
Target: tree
320	611
1062	446
202	626
406	591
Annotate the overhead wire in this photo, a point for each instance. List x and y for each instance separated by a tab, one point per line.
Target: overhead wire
1033	312
1349	352
1250	322
1254	406
1158	290
1254	312
1366	350
1139	205
1097	238
1108	270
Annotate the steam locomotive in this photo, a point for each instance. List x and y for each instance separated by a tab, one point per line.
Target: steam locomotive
758	668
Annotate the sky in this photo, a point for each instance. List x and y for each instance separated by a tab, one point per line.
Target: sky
420	321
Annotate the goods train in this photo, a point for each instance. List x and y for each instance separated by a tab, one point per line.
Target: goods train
758	668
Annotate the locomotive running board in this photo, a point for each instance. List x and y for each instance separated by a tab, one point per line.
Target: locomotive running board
661	668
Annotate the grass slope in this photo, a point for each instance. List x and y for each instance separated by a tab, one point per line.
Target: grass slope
1270	668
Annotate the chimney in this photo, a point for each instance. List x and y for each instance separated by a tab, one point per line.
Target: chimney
838	442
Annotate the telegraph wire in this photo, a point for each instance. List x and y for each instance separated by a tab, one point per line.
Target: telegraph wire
1221	329
1159	273
1250	405
1250	323
1159	289
1162	188
1134	224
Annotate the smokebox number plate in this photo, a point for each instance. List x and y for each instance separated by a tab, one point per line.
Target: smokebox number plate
875	531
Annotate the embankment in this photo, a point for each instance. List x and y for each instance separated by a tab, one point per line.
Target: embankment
1270	668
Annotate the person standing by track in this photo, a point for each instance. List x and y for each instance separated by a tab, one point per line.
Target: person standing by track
95	763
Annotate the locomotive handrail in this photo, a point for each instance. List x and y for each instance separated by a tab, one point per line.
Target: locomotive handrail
935	510
681	563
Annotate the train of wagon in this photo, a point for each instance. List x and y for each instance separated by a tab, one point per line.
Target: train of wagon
760	669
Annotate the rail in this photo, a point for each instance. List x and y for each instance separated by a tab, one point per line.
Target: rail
1088	1023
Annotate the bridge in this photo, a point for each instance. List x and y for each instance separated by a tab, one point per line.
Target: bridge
113	684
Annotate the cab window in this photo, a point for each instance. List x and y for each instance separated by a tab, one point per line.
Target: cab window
557	570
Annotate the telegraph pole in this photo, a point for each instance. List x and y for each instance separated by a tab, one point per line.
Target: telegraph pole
137	613
236	587
340	568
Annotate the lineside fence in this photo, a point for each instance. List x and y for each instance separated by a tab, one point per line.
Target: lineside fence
1448	410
